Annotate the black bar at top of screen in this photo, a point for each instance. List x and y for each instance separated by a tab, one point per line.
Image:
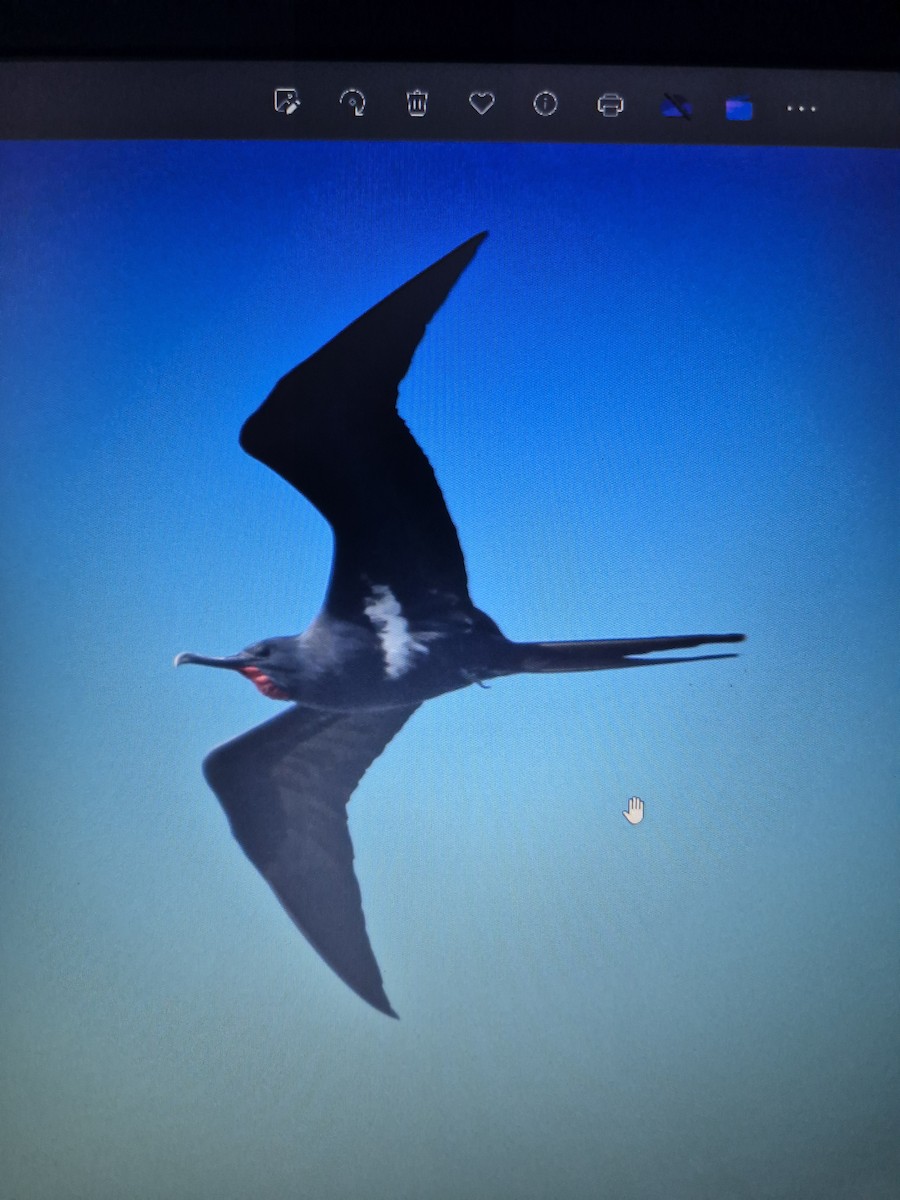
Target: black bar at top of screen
448	102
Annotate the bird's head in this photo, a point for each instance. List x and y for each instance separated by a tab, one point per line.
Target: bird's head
269	665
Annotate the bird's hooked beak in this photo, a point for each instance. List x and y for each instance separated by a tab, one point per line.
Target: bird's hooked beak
233	662
243	662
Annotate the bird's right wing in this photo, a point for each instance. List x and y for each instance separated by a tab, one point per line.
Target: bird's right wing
285	786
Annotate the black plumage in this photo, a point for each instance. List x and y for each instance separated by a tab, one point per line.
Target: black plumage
396	628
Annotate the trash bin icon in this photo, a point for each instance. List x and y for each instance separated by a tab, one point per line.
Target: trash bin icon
417	102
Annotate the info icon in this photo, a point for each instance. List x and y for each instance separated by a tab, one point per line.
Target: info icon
545	104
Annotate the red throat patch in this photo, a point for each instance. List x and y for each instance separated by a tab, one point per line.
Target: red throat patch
263	683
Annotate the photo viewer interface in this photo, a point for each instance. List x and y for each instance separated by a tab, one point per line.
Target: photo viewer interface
586	355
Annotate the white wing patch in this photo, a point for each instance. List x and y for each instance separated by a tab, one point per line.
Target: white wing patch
398	645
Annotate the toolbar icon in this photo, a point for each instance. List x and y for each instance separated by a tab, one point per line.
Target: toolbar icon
417	102
354	101
610	104
674	105
739	108
545	104
287	100
482	101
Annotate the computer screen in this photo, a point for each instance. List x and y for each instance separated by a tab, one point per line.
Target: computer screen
433	399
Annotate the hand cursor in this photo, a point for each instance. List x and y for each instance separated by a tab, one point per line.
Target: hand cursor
634	814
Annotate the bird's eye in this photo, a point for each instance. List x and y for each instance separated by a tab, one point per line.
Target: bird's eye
263	651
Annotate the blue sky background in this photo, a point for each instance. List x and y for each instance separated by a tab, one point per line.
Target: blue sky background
662	399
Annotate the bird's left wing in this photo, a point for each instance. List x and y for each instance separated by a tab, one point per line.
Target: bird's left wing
285	786
331	429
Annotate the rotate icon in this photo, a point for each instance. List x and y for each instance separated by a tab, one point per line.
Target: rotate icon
354	101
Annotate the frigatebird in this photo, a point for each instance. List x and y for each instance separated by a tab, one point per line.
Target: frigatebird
397	626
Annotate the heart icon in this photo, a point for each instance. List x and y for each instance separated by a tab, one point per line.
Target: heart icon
482	101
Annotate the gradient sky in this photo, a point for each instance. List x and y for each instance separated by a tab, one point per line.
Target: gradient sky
662	399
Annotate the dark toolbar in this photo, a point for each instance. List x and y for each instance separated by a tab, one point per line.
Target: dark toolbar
458	102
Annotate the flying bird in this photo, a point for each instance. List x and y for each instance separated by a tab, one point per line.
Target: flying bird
397	626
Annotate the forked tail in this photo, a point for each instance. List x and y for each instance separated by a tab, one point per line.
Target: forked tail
611	654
